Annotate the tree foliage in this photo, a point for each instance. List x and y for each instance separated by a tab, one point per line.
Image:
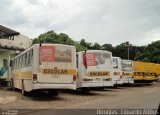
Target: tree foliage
148	53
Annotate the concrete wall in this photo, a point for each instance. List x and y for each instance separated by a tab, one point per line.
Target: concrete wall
19	41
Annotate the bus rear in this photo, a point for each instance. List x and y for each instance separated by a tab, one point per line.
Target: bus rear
117	70
94	69
55	68
127	71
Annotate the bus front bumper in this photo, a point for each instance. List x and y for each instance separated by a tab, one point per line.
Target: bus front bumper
119	82
128	82
89	84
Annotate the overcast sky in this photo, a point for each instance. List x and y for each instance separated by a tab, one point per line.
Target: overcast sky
102	21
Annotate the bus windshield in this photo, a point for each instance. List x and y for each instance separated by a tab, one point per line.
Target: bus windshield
97	59
56	54
126	65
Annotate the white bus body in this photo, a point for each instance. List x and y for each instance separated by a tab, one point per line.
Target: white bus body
94	69
127	71
46	66
117	70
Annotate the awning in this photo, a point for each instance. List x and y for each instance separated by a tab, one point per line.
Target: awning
7	33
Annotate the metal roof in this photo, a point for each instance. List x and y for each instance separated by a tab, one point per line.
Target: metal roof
7	33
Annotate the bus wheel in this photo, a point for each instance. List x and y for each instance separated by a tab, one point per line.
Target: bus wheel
53	92
24	93
12	85
85	90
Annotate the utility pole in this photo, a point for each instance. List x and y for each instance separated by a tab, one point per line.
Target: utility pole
128	52
128	45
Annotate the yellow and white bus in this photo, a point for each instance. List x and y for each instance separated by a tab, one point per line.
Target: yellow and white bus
117	71
94	69
48	67
127	72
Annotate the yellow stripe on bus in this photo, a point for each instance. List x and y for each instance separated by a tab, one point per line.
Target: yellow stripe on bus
98	73
149	78
27	74
116	73
127	74
138	77
59	71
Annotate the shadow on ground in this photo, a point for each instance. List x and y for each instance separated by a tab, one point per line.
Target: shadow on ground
82	93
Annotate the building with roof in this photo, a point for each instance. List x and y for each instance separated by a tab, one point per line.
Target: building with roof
11	44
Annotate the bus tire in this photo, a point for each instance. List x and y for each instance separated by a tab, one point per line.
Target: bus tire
115	86
84	90
12	84
24	93
53	92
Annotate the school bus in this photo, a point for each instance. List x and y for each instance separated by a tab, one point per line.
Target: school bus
150	72
139	70
48	67
157	72
127	72
117	70
94	69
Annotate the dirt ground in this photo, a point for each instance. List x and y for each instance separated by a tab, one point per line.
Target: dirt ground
14	99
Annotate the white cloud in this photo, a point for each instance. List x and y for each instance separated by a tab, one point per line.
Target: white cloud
103	21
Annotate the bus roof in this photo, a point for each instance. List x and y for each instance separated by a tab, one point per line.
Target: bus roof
96	51
41	45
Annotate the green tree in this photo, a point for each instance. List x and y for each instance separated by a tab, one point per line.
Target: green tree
52	37
150	53
96	46
108	47
85	44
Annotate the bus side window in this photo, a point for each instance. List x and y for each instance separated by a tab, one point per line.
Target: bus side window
31	57
12	64
77	60
31	53
25	59
15	64
20	61
27	64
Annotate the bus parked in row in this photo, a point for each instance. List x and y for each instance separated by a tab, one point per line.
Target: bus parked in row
94	69
51	67
157	72
127	71
149	72
145	72
139	71
48	67
117	71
